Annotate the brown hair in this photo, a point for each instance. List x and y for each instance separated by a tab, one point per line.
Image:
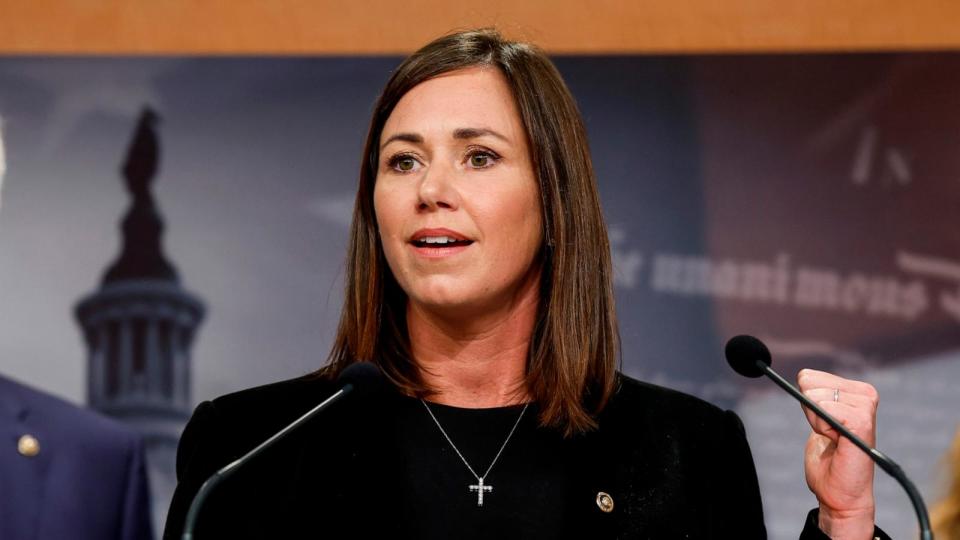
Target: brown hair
573	357
946	515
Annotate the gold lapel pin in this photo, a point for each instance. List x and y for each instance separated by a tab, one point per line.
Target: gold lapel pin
28	445
605	502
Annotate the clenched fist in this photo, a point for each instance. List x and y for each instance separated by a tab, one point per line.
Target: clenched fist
839	473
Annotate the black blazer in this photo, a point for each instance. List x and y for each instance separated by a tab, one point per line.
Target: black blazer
675	466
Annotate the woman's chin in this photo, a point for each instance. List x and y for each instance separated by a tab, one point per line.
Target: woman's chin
454	304
441	303
455	299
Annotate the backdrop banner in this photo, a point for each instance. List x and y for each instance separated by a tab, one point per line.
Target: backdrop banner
810	200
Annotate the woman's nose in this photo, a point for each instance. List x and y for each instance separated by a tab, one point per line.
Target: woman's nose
437	189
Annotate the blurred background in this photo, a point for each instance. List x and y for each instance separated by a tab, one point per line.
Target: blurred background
784	169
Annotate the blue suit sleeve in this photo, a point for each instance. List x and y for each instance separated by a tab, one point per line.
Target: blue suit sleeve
136	513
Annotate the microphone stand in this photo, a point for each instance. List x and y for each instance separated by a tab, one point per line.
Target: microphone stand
227	470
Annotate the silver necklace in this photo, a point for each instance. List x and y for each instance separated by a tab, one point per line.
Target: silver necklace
479	488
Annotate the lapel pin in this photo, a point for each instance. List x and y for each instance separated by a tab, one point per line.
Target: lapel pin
28	445
605	502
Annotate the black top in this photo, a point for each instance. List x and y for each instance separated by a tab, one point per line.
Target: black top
674	466
529	481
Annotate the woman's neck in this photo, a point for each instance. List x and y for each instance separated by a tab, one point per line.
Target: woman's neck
478	361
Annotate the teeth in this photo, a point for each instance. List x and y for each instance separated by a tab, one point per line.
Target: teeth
437	239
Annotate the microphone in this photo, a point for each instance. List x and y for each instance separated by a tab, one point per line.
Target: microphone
362	379
749	357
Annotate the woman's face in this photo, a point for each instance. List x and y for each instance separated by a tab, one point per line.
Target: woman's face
456	197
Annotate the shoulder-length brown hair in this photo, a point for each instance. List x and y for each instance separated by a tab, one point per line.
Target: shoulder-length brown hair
573	357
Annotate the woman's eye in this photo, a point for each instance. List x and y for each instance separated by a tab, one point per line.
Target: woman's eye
482	160
404	163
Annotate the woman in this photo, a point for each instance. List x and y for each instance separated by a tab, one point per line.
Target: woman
479	280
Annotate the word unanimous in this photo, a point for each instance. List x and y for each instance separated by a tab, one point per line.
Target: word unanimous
807	287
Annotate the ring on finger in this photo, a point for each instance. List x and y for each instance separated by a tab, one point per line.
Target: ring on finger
836	395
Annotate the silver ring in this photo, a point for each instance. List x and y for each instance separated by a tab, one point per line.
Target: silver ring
836	395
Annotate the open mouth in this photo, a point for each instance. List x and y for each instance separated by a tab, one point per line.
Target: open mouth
440	242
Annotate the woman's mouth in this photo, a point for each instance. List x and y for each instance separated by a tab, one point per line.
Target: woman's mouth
437	243
440	242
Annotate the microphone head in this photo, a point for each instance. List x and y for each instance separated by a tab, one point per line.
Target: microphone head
742	353
365	378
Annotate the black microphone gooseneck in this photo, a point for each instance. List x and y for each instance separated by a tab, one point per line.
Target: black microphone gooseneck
749	357
358	378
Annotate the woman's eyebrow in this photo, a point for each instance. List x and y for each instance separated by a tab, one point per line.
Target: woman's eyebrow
459	133
473	133
406	137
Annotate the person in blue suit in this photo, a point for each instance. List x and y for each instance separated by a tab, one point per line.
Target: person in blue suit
67	472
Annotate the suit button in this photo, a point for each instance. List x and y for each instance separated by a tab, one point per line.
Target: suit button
28	445
605	502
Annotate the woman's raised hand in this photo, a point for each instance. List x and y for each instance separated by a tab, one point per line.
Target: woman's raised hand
839	473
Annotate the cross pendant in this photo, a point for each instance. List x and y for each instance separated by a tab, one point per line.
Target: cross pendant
480	488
